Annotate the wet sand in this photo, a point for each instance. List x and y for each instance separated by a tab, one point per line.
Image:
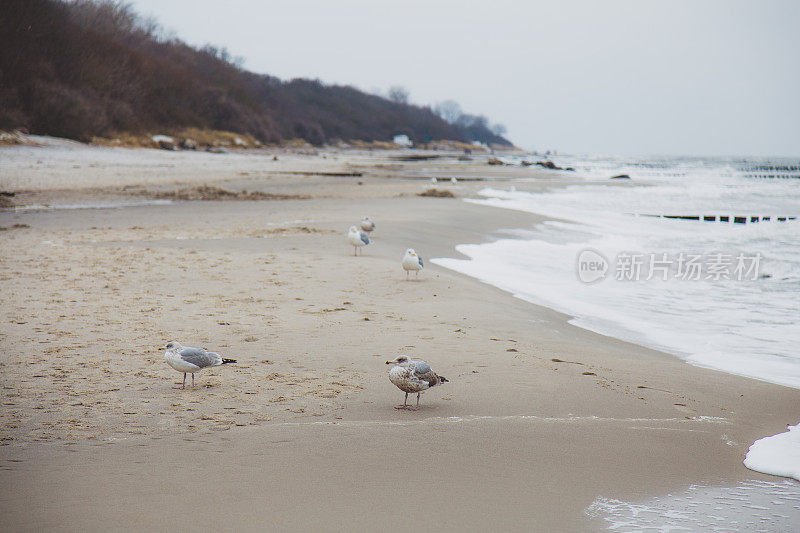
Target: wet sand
538	419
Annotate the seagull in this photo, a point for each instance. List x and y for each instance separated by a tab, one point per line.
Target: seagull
453	180
412	376
367	224
434	180
411	261
357	239
190	360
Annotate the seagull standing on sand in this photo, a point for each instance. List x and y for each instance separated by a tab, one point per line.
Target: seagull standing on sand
411	261
190	360
367	224
412	376
357	238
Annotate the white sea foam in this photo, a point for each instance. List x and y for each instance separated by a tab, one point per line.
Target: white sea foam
778	455
746	327
747	506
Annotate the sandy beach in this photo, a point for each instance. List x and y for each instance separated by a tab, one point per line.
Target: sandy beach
539	417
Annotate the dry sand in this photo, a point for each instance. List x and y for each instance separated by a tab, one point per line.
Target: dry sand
538	419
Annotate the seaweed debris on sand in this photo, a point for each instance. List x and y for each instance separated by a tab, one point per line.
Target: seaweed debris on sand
437	193
212	193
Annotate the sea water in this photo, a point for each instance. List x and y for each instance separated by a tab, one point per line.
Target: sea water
736	310
747	506
722	295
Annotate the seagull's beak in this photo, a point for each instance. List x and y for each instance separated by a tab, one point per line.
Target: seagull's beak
389	362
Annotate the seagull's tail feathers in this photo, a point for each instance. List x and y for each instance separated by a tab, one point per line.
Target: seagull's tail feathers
226	361
443	379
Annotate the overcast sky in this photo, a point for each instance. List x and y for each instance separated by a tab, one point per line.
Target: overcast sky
698	77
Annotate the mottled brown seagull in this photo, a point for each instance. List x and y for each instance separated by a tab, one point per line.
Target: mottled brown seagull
412	376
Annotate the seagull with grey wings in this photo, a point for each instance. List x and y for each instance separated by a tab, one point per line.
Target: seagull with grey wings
412	376
357	238
190	360
411	261
367	224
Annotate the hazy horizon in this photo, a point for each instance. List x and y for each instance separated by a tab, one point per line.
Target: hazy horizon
717	78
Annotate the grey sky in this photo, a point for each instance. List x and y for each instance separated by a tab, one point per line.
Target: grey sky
705	77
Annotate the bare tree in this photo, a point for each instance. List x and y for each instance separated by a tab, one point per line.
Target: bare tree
499	129
151	29
398	94
466	120
481	122
449	110
113	17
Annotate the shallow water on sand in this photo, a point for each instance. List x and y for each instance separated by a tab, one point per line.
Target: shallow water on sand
747	506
